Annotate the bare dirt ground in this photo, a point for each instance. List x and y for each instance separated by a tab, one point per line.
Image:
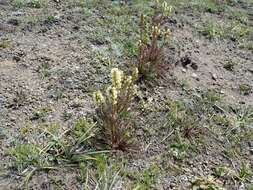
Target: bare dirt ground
55	54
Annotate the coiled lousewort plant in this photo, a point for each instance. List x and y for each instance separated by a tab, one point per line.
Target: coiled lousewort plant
114	110
153	38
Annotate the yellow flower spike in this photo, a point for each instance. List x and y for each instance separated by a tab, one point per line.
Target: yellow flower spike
164	5
113	94
135	91
98	98
116	76
156	30
129	81
135	73
170	9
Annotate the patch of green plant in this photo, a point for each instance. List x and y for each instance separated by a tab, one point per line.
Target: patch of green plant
100	174
237	31
221	120
27	3
234	31
245	89
212	6
210	96
244	117
50	19
146	179
239	132
250	187
212	30
131	49
25	155
240	16
114	110
220	171
206	103
199	6
180	148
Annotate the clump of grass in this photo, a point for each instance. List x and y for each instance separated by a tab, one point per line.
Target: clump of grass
147	178
114	109
244	171
68	148
105	177
151	44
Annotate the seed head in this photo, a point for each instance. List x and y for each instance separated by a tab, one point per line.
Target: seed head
116	76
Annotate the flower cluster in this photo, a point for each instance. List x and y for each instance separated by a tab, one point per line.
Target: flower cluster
121	86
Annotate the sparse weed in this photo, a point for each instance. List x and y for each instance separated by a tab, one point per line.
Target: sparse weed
244	117
244	89
44	70
181	118
114	109
220	171
152	40
180	150
207	183
4	44
212	30
244	171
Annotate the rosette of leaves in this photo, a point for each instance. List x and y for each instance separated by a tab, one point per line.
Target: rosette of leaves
114	109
